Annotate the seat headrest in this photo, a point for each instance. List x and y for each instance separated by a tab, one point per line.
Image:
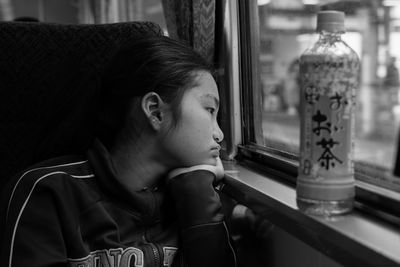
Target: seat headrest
48	73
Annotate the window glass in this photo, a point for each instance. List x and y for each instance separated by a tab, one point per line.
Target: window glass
286	28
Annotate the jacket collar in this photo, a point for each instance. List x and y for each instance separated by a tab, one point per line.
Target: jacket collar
149	203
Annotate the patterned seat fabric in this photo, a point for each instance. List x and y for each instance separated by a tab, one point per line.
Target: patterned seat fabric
48	75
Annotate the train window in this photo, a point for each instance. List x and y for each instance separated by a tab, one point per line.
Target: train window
273	34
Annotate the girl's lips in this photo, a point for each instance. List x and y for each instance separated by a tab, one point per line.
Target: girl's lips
218	147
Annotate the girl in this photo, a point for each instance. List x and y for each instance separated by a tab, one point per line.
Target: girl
144	193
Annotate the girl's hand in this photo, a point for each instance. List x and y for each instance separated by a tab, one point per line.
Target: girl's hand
217	170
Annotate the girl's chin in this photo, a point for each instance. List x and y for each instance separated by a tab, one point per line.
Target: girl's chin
212	161
209	161
204	160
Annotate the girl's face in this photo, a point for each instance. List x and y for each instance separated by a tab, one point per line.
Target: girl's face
195	138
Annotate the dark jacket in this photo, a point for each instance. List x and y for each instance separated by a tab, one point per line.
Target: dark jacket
72	211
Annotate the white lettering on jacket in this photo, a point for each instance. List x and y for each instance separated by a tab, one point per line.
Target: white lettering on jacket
169	254
116	257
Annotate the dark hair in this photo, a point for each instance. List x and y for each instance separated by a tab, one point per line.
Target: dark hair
26	19
152	64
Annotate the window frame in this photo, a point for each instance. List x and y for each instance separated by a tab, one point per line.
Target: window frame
249	51
279	162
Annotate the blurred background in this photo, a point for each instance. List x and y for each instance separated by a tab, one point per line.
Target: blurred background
287	28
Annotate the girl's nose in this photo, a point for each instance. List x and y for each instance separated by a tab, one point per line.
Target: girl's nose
218	134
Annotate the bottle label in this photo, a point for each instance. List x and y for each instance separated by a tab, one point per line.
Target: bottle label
328	92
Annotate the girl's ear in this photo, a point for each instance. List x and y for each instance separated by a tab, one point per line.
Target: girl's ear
152	106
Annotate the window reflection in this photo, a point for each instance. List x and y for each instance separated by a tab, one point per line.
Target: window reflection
287	28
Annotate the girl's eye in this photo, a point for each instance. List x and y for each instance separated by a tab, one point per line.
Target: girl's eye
211	110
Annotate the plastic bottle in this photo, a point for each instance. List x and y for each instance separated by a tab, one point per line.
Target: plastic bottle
329	77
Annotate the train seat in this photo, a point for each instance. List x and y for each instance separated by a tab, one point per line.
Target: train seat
48	73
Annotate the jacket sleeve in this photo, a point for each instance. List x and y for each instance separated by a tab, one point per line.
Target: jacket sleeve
204	235
32	233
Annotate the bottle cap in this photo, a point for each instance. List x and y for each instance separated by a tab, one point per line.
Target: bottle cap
331	21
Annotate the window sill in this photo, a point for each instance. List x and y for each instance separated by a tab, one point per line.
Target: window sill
354	239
